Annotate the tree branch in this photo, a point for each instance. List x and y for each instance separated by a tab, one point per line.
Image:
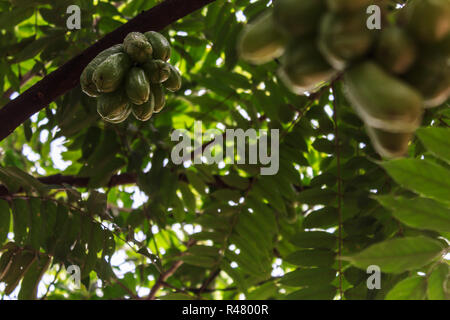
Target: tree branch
164	276
67	76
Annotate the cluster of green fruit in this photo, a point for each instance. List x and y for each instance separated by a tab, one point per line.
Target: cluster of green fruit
131	77
390	74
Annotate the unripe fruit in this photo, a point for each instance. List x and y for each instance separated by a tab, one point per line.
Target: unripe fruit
109	74
173	83
157	71
344	38
137	47
86	80
298	18
388	144
144	111
260	41
396	51
159	97
160	45
382	100
137	86
304	69
428	20
114	107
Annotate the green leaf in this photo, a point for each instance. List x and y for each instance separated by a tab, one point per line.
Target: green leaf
413	288
398	255
37	230
21	220
313	293
199	261
324	145
263	292
176	296
188	196
314	239
313	276
317	196
422	176
11	183
96	203
418	213
5	220
21	262
29	285
436	140
438	282
196	182
322	218
311	258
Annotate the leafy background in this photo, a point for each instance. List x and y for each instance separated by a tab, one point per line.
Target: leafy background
209	231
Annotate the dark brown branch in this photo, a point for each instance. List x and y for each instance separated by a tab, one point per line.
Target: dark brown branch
67	76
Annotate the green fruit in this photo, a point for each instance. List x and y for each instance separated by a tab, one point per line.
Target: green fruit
157	71
396	51
114	107
87	83
304	69
161	47
428	20
109	74
298	18
173	83
159	97
383	101
431	76
260	41
144	111
389	144
138	47
137	86
344	38
348	5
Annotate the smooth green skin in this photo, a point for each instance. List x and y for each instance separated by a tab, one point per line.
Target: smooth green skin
160	45
348	5
304	68
382	100
110	73
137	86
87	84
144	111
173	83
138	47
388	144
344	38
260	41
157	71
396	51
428	20
430	75
160	97
298	18
114	107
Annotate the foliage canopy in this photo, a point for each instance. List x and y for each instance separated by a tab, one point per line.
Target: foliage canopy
107	198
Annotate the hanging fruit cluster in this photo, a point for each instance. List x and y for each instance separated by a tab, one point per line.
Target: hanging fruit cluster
131	77
390	74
